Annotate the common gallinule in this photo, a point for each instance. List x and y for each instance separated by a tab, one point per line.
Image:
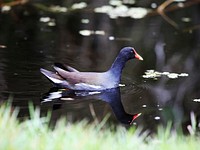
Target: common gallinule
68	77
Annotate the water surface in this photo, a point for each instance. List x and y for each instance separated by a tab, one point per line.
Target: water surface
90	41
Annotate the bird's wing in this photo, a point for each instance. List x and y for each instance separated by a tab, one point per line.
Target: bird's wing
65	67
80	77
71	69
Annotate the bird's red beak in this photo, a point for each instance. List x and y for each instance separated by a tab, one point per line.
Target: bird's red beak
137	55
134	117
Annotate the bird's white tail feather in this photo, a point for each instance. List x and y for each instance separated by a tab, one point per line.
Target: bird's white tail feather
51	76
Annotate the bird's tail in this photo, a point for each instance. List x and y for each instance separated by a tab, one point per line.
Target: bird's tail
52	76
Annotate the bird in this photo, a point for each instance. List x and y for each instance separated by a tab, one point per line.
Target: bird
70	78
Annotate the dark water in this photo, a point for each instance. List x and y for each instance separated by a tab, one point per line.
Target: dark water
29	43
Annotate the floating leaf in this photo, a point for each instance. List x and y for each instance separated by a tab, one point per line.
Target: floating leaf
85	21
155	74
58	8
157	118
144	106
183	75
48	20
5	8
90	32
103	9
196	100
3	46
45	19
115	2
173	75
122	11
51	23
122	85
151	74
80	5
137	13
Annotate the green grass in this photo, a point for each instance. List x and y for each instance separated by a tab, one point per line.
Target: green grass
34	134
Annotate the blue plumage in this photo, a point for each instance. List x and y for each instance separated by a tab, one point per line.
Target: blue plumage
68	77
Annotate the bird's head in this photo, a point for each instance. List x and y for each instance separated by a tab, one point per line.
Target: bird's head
130	53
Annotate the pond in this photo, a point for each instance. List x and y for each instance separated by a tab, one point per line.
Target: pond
88	36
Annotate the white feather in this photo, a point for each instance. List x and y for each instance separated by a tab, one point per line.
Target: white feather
57	81
85	86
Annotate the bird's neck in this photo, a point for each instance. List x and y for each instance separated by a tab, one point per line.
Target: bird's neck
117	66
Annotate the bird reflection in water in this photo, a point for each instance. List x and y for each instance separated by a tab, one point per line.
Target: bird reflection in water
111	96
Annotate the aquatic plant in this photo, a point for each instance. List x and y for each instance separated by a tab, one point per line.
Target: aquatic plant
35	133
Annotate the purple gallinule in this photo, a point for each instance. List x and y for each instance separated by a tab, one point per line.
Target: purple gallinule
68	77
